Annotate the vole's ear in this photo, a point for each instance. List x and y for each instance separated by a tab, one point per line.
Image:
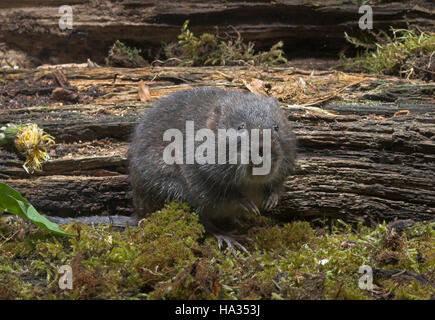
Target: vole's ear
214	118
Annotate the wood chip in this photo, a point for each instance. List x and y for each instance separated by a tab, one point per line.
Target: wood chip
144	92
60	78
255	86
402	112
62	94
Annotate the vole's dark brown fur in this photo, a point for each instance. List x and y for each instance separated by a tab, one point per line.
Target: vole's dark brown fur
215	191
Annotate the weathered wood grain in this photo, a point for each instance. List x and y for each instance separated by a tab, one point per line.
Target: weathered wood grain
351	166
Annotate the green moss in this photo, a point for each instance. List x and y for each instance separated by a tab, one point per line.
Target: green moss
291	235
197	280
168	256
209	49
341	289
121	55
405	53
410	290
131	53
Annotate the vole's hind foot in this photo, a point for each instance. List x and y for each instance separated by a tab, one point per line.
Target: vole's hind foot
230	238
271	201
231	242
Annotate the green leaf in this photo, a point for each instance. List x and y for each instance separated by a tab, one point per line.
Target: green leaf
13	202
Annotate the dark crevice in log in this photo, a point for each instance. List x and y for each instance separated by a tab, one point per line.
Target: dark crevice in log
305	26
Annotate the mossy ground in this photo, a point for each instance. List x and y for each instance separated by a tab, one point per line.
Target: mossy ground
169	256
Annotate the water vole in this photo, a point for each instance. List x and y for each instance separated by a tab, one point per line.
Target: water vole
216	191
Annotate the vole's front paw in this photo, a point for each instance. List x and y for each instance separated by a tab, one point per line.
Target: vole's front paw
249	206
271	201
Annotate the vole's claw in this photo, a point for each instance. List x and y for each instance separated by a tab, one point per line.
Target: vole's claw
230	242
249	206
219	241
271	201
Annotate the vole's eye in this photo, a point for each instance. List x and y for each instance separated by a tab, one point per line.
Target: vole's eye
276	128
241	126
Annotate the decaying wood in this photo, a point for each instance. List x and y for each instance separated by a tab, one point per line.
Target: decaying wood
71	196
358	162
33	27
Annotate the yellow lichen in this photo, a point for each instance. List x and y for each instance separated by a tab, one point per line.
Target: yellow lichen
32	142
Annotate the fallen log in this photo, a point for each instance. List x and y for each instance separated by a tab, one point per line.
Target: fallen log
355	166
305	26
